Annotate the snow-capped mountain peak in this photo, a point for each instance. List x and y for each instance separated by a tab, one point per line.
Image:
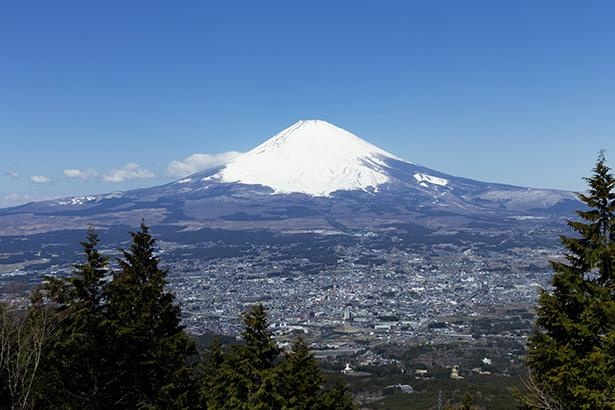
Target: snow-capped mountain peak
350	184
312	157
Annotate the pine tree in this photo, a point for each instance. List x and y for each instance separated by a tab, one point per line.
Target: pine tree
210	375
336	397
572	352
259	343
257	376
75	366
250	371
231	388
302	378
152	348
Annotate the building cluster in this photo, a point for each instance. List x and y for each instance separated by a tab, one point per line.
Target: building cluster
378	295
345	294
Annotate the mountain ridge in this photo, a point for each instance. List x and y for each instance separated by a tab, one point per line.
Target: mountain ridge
336	178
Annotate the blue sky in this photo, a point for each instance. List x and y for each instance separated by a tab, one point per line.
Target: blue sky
103	96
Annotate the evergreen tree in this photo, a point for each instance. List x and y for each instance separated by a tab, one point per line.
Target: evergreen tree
151	347
210	372
75	364
257	376
119	344
303	379
572	352
259	343
249	377
336	397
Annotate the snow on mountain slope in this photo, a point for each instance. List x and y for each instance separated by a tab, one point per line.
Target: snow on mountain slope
332	166
422	178
312	157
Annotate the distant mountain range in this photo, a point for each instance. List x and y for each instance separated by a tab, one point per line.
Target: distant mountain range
310	177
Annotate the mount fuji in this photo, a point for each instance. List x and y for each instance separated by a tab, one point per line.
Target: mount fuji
311	157
312	176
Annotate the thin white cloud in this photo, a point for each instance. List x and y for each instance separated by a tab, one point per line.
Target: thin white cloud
10	198
40	179
81	174
12	174
199	162
14	199
126	173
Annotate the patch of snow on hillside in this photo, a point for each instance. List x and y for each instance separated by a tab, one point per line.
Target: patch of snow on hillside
421	178
77	200
114	194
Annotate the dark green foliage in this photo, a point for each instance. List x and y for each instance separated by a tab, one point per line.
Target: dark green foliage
337	398
151	346
247	375
75	366
120	343
259	344
210	373
116	342
257	376
303	378
571	354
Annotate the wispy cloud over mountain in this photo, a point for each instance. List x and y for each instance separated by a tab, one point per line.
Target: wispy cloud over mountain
128	172
199	162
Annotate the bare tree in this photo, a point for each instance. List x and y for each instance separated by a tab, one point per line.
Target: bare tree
537	397
25	327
